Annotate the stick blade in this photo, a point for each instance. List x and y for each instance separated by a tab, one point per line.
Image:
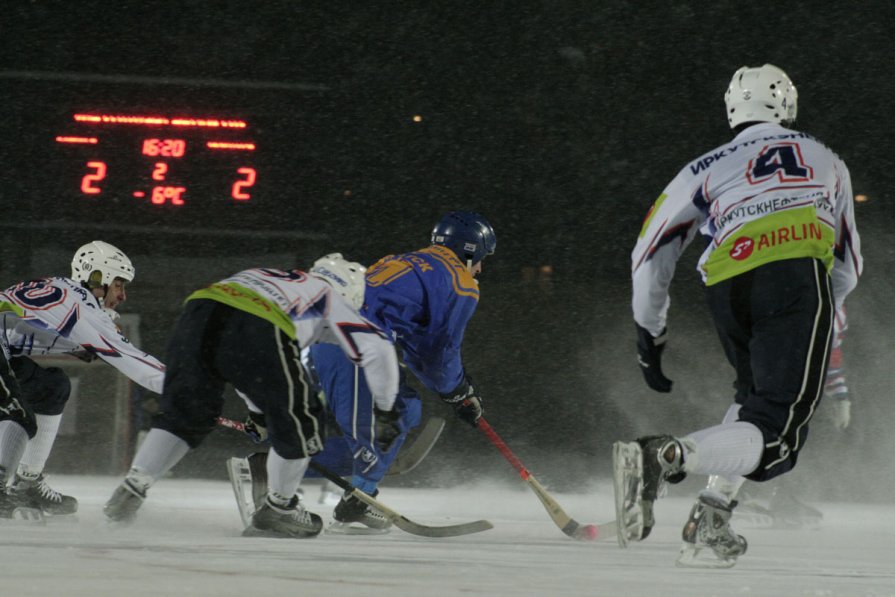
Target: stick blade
453	530
411	456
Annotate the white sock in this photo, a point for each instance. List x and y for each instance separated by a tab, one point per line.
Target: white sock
725	488
284	477
158	453
39	447
729	450
13	439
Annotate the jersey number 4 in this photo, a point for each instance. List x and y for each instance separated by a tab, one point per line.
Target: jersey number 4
783	160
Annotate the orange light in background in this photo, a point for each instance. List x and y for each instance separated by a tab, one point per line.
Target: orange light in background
159	121
861	198
229	145
417	118
85	140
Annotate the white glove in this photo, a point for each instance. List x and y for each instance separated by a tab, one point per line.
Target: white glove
840	413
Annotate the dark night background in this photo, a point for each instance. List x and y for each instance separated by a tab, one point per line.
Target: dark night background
560	121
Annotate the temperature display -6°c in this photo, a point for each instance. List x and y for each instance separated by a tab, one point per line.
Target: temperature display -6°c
158	160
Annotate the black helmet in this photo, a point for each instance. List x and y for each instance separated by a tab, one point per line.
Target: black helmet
467	234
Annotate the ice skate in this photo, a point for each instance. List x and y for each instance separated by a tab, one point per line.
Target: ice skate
10	510
248	478
125	501
353	517
35	493
709	540
640	470
290	521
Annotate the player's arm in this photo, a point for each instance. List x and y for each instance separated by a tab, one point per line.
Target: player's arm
367	346
97	333
848	262
670	225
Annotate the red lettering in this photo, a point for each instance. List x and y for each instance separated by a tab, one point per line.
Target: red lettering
815	231
783	235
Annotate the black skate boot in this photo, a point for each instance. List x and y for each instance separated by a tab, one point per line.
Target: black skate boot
290	521
11	510
640	470
353	517
33	492
709	540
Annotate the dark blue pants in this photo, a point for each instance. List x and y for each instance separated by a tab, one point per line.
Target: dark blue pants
214	344
775	323
351	404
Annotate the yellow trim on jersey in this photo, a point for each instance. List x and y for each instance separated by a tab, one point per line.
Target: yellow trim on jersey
652	212
240	297
788	234
462	280
7	306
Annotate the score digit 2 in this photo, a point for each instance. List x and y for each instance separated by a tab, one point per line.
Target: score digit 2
239	187
91	178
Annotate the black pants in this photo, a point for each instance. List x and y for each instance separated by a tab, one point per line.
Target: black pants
214	344
12	406
45	389
775	323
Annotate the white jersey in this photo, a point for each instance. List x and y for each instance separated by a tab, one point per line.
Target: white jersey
769	194
59	316
308	310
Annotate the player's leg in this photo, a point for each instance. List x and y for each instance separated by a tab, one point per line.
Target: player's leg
271	373
17	424
787	307
46	390
191	400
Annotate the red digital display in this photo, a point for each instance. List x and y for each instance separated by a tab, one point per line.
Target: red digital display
161	160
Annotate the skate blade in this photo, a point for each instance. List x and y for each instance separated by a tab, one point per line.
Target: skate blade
348	528
627	467
61	519
241	482
692	556
25	516
269	534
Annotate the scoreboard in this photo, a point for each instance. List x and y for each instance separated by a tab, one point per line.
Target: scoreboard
157	160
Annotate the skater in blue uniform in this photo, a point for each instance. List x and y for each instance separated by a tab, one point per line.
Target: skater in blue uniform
423	300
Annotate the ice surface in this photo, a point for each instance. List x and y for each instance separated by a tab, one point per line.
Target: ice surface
186	541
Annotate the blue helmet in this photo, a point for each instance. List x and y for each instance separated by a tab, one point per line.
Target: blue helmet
467	234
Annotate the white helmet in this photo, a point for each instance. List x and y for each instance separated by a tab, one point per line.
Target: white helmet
760	94
99	263
346	277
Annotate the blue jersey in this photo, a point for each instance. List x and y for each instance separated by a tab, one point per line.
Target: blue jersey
424	300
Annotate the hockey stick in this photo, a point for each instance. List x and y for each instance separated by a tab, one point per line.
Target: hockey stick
399	520
566	523
409	457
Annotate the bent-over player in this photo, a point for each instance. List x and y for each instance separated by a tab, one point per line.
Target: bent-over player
248	330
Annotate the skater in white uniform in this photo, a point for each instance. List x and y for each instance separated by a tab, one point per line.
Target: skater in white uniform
775	206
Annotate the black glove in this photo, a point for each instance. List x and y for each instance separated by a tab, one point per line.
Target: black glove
467	405
387	428
649	355
256	427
